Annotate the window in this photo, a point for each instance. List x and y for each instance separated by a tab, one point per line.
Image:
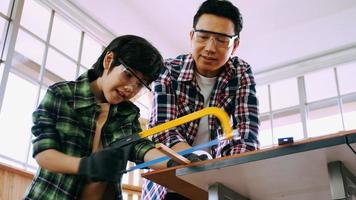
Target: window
91	51
31	161
42	94
265	133
29	47
1	70
65	37
60	66
284	93
3	26
82	70
320	85
4	6
35	18
263	98
15	141
136	177
125	177
324	119
287	124
346	77
28	55
132	178
125	195
144	102
349	112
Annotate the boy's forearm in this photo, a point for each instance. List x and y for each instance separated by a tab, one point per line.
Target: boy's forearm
58	162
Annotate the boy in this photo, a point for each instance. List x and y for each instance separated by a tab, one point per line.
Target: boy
79	125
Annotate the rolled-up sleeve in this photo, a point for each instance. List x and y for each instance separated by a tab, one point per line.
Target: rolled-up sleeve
44	124
246	113
141	147
164	110
140	150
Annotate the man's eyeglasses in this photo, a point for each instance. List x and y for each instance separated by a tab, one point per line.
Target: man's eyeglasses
133	73
221	39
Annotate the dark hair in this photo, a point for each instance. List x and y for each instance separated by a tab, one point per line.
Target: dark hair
220	8
136	52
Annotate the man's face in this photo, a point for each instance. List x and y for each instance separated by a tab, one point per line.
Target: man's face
209	56
120	84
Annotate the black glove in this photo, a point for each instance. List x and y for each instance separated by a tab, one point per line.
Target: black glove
107	164
192	157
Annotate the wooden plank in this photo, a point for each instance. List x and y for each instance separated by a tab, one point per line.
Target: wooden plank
172	154
13	183
15	170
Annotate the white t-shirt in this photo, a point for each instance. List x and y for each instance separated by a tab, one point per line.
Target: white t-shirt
206	86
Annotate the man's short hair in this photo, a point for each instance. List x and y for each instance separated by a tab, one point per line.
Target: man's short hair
136	52
221	8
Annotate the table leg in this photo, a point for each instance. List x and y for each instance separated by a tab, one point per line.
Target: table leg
342	181
218	191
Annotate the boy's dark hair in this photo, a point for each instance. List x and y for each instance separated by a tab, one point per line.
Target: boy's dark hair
136	52
220	8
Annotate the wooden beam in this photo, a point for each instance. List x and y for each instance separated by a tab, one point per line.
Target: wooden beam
172	154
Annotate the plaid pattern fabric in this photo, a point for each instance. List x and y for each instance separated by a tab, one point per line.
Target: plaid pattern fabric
176	93
65	120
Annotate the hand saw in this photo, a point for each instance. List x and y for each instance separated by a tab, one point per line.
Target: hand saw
217	112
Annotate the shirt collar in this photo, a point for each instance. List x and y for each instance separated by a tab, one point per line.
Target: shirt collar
83	96
187	72
230	68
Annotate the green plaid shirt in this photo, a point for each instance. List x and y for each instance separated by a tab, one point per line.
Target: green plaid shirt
65	120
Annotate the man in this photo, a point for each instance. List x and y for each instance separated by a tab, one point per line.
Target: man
80	125
209	76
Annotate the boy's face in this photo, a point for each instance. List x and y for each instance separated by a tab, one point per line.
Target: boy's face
119	84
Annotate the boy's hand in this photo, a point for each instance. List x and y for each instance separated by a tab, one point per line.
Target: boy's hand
106	164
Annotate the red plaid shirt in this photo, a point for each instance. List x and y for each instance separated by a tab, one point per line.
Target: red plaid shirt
176	93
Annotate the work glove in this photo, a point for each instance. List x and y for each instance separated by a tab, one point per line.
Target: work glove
107	164
192	157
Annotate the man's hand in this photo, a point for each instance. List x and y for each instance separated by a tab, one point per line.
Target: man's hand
191	156
105	165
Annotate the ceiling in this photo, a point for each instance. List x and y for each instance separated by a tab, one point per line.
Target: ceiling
275	33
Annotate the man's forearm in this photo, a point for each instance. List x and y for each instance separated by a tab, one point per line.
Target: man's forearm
180	146
58	162
154	153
